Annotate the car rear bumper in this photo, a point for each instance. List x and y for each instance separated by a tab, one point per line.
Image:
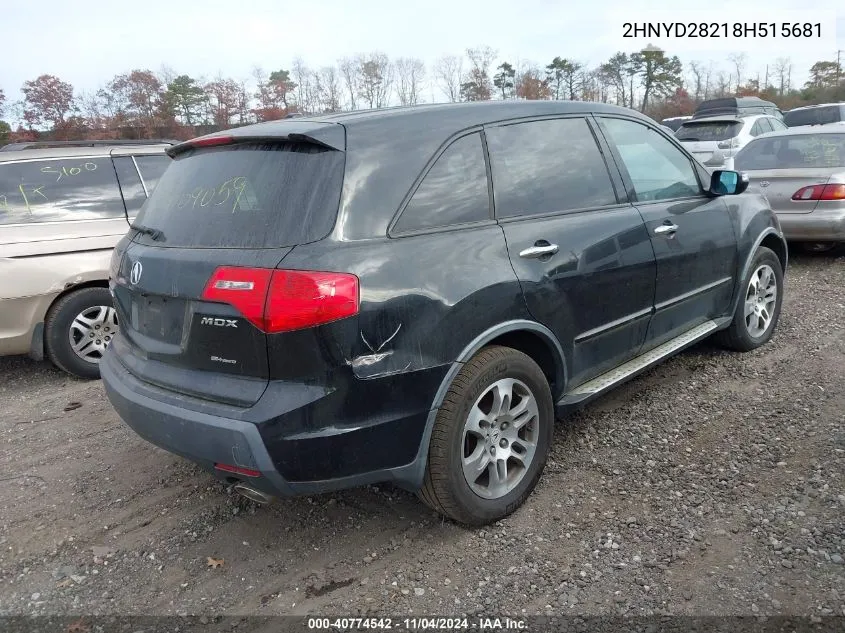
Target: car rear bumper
333	455
821	225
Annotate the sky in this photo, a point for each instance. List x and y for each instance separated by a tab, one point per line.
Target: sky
87	43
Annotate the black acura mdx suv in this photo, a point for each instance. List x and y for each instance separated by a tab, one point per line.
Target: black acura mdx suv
412	295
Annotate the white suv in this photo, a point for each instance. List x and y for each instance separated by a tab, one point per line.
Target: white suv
714	141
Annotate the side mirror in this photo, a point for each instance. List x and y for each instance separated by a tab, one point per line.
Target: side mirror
724	182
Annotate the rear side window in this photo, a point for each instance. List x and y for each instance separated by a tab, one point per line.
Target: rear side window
152	168
708	131
777	124
59	190
247	195
454	191
814	116
814	151
547	166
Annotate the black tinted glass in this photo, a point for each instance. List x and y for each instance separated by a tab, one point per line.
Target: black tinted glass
814	116
710	131
130	184
67	189
454	191
152	168
810	151
547	166
249	195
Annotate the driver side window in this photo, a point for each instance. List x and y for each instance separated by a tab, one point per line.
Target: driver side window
657	169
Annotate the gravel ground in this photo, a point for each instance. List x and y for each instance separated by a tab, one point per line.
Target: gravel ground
711	485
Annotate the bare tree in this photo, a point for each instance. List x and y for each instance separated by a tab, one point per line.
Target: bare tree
307	96
167	74
375	78
329	82
410	74
723	84
349	75
448	71
698	79
738	60
477	84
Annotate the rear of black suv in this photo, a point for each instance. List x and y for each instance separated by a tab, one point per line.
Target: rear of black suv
271	341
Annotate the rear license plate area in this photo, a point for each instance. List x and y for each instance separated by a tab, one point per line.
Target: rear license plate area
159	318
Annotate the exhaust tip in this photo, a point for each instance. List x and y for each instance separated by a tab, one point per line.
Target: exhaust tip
252	494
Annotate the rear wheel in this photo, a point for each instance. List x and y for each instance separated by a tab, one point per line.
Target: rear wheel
758	310
490	439
78	329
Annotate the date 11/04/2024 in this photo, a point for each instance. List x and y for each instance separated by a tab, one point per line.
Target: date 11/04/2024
771	30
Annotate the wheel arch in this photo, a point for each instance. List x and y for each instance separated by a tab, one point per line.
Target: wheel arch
38	346
529	337
770	238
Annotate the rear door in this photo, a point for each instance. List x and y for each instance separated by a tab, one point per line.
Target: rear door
190	289
691	232
579	249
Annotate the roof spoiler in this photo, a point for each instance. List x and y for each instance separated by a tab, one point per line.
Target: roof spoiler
328	135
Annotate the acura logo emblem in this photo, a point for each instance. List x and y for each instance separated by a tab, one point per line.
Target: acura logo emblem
135	275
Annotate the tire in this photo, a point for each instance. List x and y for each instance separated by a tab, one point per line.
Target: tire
490	373
747	332
76	316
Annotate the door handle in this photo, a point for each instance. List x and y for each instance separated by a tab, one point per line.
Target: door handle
663	229
537	251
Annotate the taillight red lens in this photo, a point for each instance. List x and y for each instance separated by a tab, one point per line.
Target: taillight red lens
243	288
834	191
284	300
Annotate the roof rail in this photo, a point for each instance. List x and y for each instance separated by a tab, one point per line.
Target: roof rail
36	144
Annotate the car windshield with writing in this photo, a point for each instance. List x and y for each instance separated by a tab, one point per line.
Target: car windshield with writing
810	151
58	190
708	130
245	195
817	115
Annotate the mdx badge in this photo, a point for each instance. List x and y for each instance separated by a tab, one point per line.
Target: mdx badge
135	273
219	322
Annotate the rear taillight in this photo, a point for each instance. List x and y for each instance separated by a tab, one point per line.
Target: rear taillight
284	300
820	192
731	143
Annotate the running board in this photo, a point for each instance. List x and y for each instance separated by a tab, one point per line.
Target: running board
582	393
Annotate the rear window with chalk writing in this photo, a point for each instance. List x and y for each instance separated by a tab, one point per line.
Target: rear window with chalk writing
59	190
246	195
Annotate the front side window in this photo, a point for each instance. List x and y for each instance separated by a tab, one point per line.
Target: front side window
454	191
59	190
547	166
657	168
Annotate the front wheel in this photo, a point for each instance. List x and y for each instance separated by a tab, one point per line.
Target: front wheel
758	310
491	438
78	328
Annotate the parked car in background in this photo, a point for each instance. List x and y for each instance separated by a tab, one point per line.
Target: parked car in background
413	294
715	140
801	171
822	114
736	106
674	122
63	207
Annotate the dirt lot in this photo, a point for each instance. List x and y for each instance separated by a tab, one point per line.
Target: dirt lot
715	484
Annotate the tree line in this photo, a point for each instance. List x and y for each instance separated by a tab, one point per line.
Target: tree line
146	103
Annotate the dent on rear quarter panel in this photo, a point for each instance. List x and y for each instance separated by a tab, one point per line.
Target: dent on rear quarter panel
423	298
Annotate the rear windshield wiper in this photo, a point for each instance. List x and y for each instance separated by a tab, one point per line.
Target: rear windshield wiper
154	234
